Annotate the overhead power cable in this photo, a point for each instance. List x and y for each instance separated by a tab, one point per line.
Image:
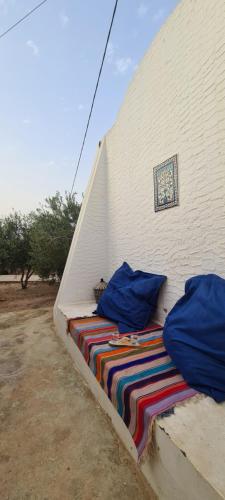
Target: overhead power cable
22	18
95	92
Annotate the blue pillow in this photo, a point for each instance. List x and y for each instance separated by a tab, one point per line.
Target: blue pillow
194	335
130	298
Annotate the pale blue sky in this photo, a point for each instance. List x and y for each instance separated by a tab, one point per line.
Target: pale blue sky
49	65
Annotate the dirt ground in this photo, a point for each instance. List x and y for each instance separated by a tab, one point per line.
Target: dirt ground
55	441
38	294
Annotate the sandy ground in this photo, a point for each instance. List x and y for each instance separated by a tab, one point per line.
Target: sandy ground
13	298
55	442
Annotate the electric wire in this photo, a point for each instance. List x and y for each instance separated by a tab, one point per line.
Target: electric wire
93	100
23	18
98	79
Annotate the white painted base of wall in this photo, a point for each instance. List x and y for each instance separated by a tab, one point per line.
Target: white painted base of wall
188	462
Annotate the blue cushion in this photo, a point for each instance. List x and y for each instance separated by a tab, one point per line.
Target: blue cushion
130	298
194	335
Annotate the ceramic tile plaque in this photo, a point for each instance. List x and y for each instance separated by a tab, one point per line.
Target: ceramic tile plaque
166	184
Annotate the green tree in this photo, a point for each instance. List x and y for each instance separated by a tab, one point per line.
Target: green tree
51	235
3	251
15	232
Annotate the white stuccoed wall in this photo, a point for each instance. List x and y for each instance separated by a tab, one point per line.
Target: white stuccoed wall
175	104
87	260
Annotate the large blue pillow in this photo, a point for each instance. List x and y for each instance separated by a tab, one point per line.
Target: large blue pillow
130	298
194	335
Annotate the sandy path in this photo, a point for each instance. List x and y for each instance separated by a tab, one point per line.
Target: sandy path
55	443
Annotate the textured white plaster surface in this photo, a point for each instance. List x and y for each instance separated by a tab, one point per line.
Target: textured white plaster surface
87	260
175	104
198	430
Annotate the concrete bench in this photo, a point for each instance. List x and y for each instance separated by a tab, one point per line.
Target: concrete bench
188	459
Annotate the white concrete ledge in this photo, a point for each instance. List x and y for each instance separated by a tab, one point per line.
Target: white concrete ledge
198	429
80	309
188	459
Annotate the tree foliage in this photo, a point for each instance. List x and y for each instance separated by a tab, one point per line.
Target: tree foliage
40	241
52	231
15	247
3	251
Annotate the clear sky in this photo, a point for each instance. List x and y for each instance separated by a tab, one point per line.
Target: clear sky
49	66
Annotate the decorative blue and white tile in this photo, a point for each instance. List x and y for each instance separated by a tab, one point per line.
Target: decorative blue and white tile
166	184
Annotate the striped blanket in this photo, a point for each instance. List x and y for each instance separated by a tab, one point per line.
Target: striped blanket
141	382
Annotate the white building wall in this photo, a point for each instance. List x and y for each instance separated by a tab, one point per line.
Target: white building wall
87	261
175	104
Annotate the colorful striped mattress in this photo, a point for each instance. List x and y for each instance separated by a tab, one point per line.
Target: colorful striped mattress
141	382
